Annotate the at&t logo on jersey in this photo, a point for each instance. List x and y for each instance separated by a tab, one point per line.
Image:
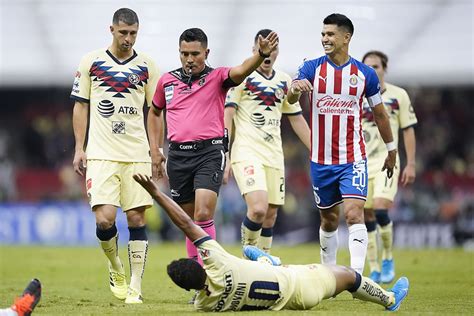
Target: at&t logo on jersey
258	120
106	108
128	110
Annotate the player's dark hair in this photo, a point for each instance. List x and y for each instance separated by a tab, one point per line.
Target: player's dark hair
194	35
341	21
264	34
125	15
187	274
379	54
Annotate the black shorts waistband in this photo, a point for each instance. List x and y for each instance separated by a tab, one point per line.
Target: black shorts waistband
197	145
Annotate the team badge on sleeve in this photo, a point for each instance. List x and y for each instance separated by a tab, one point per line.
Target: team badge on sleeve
77	79
204	253
169	92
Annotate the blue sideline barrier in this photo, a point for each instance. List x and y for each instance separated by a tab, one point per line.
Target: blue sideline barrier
52	224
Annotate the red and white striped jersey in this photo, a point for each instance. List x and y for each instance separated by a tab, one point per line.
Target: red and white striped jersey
336	108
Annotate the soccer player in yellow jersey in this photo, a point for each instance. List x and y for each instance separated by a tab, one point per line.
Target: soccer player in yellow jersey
228	283
253	119
382	190
111	86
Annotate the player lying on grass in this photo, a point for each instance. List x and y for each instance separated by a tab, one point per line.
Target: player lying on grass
230	283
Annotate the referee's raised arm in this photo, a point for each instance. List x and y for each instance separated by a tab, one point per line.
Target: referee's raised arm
266	46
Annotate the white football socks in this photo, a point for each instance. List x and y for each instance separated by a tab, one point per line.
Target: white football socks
358	240
137	253
329	243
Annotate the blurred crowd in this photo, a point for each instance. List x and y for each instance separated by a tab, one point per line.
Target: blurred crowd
37	144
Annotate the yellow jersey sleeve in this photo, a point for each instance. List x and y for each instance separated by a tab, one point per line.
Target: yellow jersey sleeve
81	90
234	95
407	115
154	76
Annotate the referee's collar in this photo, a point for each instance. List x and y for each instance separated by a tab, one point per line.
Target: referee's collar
181	75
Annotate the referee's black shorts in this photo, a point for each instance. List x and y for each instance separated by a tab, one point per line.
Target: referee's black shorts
189	170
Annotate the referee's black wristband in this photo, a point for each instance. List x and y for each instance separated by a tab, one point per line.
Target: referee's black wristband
262	54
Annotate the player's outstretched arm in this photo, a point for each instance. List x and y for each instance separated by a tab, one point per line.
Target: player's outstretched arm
266	46
174	211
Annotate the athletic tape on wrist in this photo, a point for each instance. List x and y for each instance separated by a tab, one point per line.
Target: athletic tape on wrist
391	146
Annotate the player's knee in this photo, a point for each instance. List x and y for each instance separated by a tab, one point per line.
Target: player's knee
345	277
104	223
203	215
354	215
257	213
329	221
136	221
328	216
136	218
352	219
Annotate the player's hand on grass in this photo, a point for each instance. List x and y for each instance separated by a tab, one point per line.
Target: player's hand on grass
390	162
298	86
158	165
148	184
408	175
80	162
268	44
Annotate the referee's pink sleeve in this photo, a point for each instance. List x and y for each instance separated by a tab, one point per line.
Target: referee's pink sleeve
159	97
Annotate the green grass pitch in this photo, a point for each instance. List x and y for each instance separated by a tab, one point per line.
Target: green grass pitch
75	281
